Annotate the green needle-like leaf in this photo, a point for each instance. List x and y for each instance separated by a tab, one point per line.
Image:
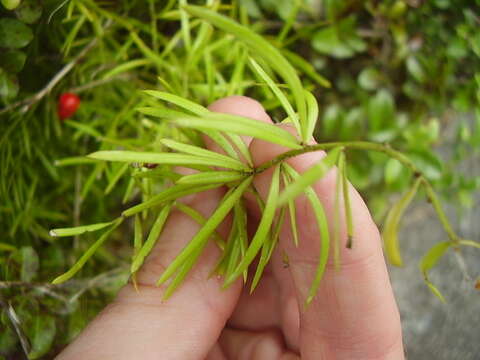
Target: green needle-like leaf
346	201
164	158
264	49
218	138
324	234
241	126
469	243
172	193
312	113
278	93
199	241
183	272
263	228
267	249
292	211
87	255
138	235
210	177
78	230
307	68
195	215
227	258
436	291
118	174
336	215
178	101
433	255
198	151
390	228
151	239
242	235
309	177
242	147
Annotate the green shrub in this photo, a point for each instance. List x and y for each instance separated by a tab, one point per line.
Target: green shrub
400	73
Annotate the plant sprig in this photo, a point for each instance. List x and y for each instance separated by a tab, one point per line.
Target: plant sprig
234	169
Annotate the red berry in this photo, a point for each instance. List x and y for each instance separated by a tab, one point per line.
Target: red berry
68	104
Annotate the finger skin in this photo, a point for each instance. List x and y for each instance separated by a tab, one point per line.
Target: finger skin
140	325
248	345
354	315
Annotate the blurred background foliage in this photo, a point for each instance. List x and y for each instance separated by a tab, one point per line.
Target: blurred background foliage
402	72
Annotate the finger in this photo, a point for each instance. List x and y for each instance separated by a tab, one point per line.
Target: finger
251	345
140	324
354	315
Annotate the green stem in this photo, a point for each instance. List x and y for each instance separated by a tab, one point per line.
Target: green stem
357	145
432	197
386	149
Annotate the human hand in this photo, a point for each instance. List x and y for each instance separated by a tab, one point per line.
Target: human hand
354	315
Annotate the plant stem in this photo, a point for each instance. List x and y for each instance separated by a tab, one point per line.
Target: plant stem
358	145
439	210
383	148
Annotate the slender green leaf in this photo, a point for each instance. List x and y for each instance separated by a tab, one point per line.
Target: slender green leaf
277	92
242	235
347	203
336	214
127	66
184	270
7	247
312	113
137	235
431	258
185	26
118	174
160	112
76	160
78	230
172	193
309	177
241	126
263	228
267	249
436	292
198	151
229	258
234	256
263	48
87	255
218	138
128	190
322	223
292	211
242	147
178	101
200	239
390	228
151	239
307	68
163	158
159	172
195	215
210	177
469	243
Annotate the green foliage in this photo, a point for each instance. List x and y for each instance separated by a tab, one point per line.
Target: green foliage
364	70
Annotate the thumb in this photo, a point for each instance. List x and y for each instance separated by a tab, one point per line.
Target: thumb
354	315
